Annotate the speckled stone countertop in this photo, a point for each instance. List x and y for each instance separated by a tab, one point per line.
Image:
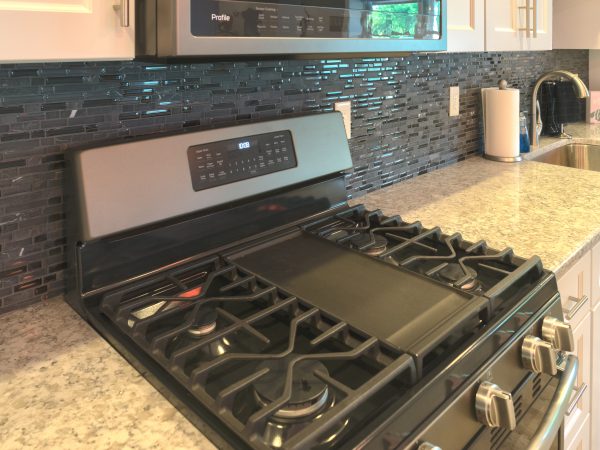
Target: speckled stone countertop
63	387
535	208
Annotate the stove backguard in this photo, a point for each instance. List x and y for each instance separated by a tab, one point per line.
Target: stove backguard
140	206
122	187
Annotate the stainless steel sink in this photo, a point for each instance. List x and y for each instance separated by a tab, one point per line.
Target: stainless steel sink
580	156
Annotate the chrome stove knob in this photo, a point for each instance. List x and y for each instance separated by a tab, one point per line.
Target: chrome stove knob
428	446
558	333
494	407
539	356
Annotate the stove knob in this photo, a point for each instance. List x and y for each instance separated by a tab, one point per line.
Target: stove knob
558	333
539	356
428	446
494	407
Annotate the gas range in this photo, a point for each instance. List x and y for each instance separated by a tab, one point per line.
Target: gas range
228	268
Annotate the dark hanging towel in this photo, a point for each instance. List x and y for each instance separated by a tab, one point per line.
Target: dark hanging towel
569	108
548	108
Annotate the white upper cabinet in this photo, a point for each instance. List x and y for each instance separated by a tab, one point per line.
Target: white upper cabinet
66	30
577	24
518	25
466	25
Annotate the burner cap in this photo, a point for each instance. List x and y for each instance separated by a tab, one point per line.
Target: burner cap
205	322
373	246
309	393
202	330
453	273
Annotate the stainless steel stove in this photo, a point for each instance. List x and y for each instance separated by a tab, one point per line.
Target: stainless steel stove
227	267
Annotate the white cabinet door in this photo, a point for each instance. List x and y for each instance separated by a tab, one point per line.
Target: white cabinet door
508	22
575	290
581	441
503	21
596	268
543	26
576	24
64	30
583	349
466	25
595	387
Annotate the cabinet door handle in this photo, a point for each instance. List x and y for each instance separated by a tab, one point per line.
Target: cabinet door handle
535	21
578	394
528	14
579	302
123	9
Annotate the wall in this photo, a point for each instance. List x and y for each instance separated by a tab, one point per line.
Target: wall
401	126
594	70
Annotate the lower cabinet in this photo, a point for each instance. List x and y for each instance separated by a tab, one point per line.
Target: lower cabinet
580	406
595	386
575	287
581	440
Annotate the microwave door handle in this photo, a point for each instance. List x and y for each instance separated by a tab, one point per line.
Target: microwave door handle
546	433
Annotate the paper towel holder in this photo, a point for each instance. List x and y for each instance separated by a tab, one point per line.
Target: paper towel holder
503	85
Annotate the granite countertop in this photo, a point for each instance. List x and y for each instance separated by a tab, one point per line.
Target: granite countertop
535	208
63	386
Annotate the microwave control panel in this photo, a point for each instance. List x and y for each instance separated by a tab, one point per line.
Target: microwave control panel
405	19
218	163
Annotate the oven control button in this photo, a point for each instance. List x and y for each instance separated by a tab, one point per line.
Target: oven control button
558	333
494	407
428	446
539	356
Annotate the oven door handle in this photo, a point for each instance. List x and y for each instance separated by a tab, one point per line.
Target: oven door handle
546	433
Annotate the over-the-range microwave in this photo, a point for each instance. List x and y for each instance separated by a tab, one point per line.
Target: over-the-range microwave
197	28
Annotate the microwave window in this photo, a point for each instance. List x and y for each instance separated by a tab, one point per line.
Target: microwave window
379	19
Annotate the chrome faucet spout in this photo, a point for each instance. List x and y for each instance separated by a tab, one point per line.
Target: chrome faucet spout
580	88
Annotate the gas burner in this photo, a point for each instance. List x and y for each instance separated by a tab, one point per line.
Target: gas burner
202	330
309	393
310	398
372	245
205	324
454	273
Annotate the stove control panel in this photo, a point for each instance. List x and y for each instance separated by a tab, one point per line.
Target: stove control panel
218	163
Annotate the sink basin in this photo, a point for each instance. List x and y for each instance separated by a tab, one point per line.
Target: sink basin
579	156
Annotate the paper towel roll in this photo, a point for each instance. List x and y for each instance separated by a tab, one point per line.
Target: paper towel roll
501	122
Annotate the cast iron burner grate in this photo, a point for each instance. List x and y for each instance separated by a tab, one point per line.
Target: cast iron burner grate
278	371
450	260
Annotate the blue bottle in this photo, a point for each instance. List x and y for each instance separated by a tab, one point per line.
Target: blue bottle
524	134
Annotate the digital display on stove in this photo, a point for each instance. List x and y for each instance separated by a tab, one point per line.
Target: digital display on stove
218	163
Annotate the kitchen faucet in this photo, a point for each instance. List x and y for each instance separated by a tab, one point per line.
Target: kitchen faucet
536	120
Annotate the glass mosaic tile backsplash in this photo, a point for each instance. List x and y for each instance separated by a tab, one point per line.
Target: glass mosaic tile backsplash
400	127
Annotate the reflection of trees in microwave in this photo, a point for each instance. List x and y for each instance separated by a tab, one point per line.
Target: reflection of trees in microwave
410	18
394	19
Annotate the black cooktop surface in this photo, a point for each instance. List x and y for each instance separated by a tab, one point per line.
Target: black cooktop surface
301	340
